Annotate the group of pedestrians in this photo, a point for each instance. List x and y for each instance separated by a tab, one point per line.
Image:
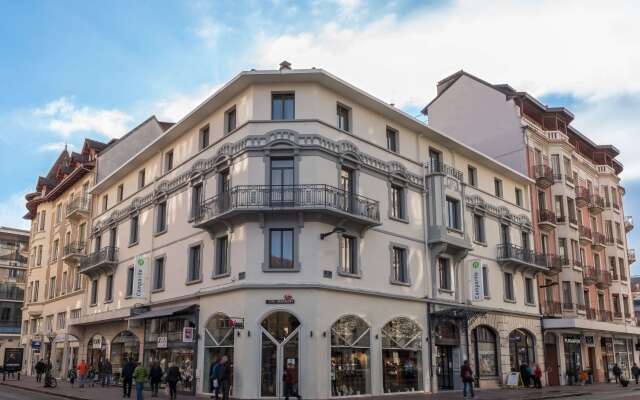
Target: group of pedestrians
531	375
220	378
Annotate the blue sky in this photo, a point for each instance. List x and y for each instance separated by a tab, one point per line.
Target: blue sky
80	70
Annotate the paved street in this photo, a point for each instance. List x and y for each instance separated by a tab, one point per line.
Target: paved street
10	393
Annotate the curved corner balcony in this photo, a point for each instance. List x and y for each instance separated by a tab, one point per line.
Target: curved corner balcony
582	196
546	220
599	241
589	276
631	255
596	204
73	253
585	235
515	256
603	279
317	199
628	223
78	207
543	174
104	260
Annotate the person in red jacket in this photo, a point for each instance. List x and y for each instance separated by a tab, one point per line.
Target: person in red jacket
537	377
290	379
466	373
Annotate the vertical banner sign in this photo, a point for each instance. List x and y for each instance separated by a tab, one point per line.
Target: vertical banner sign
477	287
139	271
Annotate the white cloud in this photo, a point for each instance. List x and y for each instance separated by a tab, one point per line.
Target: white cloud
64	117
12	209
182	103
55	146
210	30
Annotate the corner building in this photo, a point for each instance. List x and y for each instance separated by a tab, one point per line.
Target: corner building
579	222
294	221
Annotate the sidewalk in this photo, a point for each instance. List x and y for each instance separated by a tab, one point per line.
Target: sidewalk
65	391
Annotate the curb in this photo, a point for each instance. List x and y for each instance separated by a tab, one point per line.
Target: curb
42	391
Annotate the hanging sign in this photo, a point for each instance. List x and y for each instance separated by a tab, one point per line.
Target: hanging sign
139	271
572	339
187	334
36	344
286	299
96	342
162	342
237	323
477	284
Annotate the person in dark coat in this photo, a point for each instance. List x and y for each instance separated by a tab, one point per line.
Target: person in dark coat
155	376
173	377
524	373
224	377
466	374
127	378
290	380
617	372
635	371
214	379
40	367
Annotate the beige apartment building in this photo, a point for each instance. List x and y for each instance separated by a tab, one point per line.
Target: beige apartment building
578	219
289	221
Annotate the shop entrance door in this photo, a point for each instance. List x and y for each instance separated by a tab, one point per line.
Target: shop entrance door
592	361
444	360
280	353
551	360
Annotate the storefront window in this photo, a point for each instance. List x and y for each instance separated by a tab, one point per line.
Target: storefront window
124	346
96	350
622	355
521	349
572	357
218	342
486	354
401	356
350	352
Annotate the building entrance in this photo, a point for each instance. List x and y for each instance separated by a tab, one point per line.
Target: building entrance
280	353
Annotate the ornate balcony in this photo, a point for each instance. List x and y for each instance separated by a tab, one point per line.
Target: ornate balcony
518	257
591	313
543	174
589	275
553	262
104	260
78	207
551	308
599	242
582	196
603	279
631	255
546	220
73	253
438	167
323	200
628	223
596	204
586	237
605	316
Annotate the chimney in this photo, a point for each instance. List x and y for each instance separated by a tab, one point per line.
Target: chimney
285	65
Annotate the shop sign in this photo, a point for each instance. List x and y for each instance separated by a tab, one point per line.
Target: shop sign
162	342
96	342
286	299
139	269
572	339
477	284
237	323
590	341
36	344
187	334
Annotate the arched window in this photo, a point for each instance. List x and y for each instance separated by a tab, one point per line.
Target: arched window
218	342
401	356
96	351
350	353
485	345
521	349
124	346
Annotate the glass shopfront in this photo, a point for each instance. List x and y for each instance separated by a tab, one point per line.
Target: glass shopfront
218	342
572	357
350	352
97	350
401	356
124	346
485	345
521	349
280	351
606	348
622	356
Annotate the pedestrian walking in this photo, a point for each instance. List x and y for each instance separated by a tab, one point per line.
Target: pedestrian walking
224	377
108	372
140	376
173	377
82	372
537	377
71	376
39	370
524	373
635	371
101	368
466	374
127	378
616	372
290	380
155	377
214	379
92	376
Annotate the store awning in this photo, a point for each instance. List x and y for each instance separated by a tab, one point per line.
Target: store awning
163	312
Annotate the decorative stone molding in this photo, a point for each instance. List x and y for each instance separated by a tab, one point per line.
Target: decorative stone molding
477	203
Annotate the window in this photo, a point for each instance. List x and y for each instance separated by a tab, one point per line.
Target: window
62	320
194	266
108	296
230	120
508	286
529	296
36	291
105	202
555	167
120	192
63	284
161	217
392	139
485	280
130	276
94	292
77	279
453	214
348	255
505	234
141	178
282	106
168	161
39	257
344	122
615	299
625	306
444	273
497	184
196	200
397	202
567	302
579	293
478	228
351	337
518	197
399	268
281	248
472	176
134	229
613	267
55	248
203	137
222	256
623	270
58	213
224	181
571	210
42	220
158	273
52	287
562	248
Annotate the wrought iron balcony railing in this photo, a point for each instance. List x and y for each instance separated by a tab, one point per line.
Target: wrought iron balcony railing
438	167
596	203
598	239
605	315
103	259
628	223
603	278
591	313
543	174
582	196
514	254
551	308
80	204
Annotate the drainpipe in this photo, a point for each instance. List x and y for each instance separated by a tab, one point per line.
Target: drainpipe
430	336
427	274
